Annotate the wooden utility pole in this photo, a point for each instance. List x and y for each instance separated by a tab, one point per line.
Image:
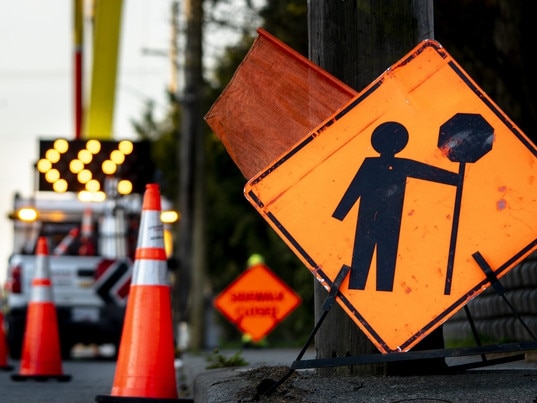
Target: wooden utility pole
188	293
173	86
356	41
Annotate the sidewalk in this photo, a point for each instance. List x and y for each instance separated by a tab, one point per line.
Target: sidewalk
509	382
193	366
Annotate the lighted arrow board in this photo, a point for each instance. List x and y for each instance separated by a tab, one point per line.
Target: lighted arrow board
418	174
77	165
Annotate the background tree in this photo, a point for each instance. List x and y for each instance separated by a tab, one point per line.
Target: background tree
493	42
234	229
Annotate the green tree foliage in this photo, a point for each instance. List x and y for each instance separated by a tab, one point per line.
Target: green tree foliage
164	137
287	21
493	41
234	229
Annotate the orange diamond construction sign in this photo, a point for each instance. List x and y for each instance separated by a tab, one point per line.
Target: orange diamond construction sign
418	186
257	301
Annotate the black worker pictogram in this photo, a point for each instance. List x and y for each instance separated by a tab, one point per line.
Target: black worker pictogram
380	185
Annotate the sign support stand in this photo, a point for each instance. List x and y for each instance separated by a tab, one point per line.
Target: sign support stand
267	387
500	290
474	330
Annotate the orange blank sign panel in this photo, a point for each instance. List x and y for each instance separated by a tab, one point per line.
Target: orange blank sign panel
257	301
419	178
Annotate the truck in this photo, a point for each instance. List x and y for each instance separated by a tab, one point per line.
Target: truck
91	252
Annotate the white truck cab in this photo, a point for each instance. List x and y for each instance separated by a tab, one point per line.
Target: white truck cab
91	250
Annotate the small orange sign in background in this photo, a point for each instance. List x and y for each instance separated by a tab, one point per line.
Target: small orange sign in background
466	180
257	301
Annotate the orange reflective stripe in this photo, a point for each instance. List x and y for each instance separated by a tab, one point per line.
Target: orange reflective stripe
41	281
150	253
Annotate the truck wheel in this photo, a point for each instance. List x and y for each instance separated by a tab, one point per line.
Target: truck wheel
14	338
116	352
66	350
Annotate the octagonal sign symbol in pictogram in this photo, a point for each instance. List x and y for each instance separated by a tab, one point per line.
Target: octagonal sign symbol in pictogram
257	301
419	174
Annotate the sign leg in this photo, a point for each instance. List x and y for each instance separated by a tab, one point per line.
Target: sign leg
498	287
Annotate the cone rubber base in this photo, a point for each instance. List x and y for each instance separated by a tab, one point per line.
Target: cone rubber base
6	368
41	378
123	399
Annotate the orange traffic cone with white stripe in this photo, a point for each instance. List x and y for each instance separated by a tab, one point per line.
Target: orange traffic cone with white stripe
145	364
87	223
63	246
4	352
87	243
41	354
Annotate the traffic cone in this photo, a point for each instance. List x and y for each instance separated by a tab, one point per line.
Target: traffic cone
87	223
4	352
41	354
145	364
63	246
87	242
